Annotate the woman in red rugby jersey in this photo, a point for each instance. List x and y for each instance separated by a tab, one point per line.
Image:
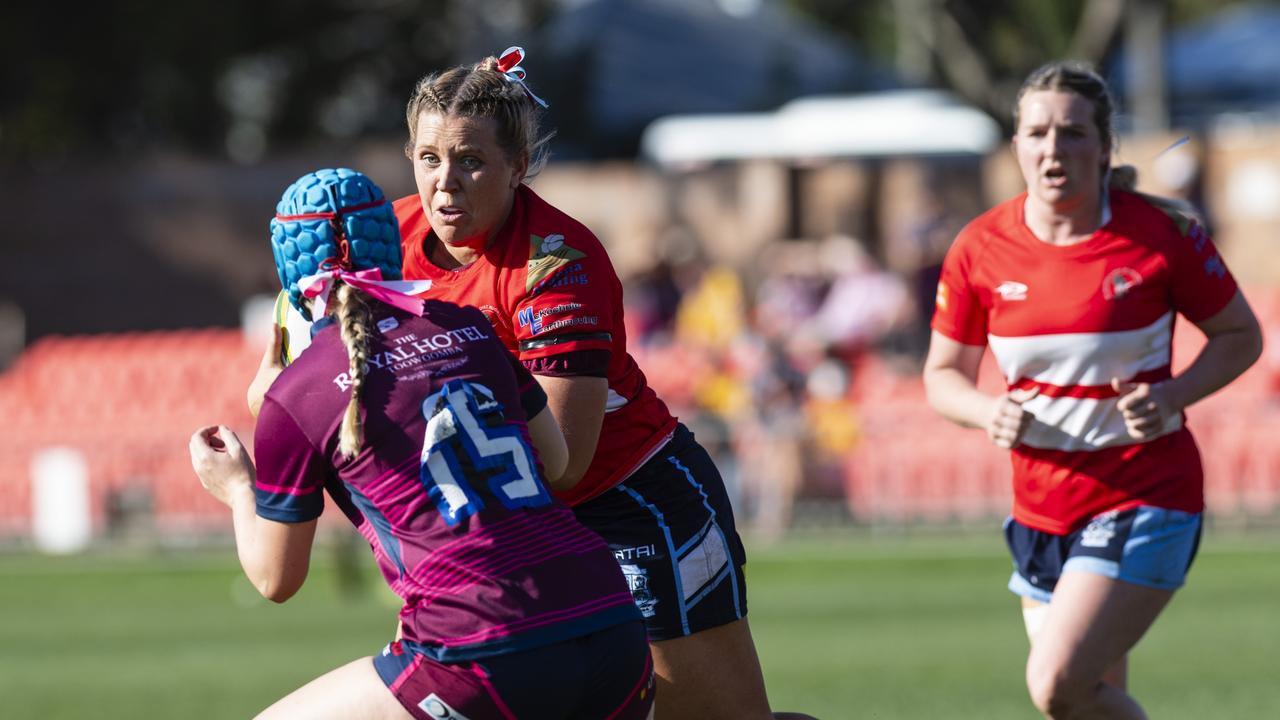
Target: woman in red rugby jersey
484	238
1075	285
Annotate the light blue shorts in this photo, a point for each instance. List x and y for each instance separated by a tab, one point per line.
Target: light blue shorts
1146	545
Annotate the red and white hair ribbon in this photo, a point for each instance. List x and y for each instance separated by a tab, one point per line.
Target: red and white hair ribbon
399	293
509	65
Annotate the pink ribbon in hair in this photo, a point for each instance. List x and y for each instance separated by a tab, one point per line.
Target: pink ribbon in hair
398	293
509	65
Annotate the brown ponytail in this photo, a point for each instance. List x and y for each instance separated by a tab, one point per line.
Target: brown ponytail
1125	177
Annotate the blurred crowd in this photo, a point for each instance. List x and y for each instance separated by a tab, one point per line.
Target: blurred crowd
761	361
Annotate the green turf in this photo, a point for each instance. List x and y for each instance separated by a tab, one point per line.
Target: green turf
848	626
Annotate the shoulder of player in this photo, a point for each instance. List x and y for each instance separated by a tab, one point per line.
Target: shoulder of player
413	225
977	235
1168	217
325	348
408	208
998	218
546	220
294	388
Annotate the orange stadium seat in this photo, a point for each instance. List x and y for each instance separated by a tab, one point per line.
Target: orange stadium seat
129	403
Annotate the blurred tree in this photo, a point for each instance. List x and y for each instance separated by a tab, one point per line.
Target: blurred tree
234	76
240	76
982	49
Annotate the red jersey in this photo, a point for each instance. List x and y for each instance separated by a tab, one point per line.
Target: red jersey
551	293
1068	319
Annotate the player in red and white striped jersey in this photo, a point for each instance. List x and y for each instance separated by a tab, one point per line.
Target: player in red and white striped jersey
1075	285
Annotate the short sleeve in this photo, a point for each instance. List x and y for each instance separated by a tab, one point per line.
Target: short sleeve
291	473
958	312
1200	284
569	303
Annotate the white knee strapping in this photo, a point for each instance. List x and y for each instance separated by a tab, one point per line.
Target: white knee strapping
1034	618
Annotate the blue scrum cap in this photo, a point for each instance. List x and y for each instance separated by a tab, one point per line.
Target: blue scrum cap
333	219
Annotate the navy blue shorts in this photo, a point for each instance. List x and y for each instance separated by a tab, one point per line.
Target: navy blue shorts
606	674
671	528
1145	545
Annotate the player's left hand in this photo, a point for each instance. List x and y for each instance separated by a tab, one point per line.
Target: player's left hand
221	462
1145	407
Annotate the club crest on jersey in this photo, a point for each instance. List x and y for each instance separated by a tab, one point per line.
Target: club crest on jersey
940	299
1012	290
492	315
547	255
1119	282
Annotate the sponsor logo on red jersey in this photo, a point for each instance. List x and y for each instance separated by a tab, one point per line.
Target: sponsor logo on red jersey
532	318
546	256
1012	290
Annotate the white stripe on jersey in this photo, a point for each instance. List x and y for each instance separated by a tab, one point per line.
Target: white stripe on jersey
1070	360
1081	424
1089	359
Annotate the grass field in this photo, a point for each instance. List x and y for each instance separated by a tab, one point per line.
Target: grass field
848	626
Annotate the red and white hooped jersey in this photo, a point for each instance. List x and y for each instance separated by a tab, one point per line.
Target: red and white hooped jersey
1068	319
550	291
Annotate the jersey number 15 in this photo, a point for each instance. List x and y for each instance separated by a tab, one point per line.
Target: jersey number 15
469	449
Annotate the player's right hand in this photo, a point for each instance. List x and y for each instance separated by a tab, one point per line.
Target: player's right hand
221	462
1009	419
268	370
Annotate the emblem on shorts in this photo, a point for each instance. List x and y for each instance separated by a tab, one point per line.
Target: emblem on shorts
434	707
638	580
1099	531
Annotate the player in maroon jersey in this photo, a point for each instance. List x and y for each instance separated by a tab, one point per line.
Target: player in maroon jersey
1075	285
486	239
411	415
